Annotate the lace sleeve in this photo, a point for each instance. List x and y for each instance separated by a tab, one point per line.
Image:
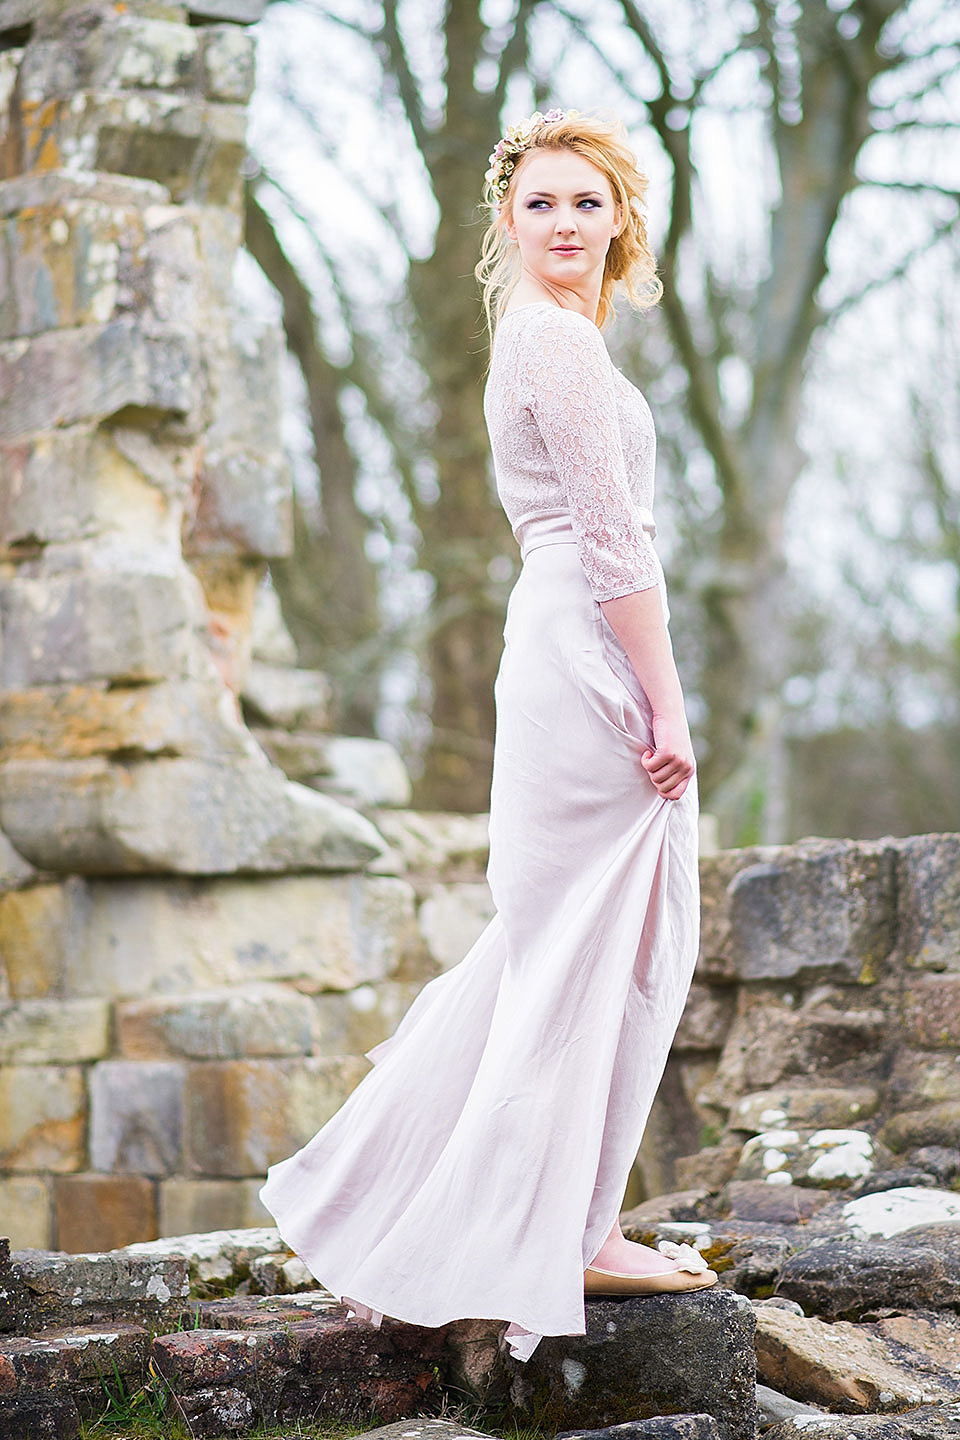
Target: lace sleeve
571	395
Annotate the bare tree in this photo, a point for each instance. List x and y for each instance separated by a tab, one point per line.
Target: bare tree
822	84
811	74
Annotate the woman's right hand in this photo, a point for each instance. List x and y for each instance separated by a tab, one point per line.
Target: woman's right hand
670	764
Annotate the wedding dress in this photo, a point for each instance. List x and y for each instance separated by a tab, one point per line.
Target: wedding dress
479	1166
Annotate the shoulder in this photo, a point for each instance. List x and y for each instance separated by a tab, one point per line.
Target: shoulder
544	333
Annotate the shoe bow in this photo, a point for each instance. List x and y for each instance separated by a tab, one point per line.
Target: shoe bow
684	1256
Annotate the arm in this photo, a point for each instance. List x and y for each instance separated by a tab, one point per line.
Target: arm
637	621
568	382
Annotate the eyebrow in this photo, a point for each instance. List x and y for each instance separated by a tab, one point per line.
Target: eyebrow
546	195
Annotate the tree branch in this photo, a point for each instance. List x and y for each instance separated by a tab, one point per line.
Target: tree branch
899	270
407	87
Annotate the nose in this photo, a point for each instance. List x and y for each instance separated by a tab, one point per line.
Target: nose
566	221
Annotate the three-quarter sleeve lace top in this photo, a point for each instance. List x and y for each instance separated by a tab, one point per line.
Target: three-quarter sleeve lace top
570	433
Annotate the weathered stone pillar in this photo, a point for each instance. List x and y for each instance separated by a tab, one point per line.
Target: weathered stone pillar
175	1005
143	480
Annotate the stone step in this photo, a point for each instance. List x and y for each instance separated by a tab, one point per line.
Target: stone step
52	1380
68	1290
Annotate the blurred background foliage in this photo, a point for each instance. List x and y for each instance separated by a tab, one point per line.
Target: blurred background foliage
803	369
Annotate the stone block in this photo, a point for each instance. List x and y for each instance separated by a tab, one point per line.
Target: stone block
437	844
58	1032
220	1024
188	718
190	1207
772	1039
103	1212
819	1107
716	960
452	917
706	1019
76	259
229	584
936	1125
94	817
919	1077
80	627
898	1362
242	12
129	937
93	371
36	925
363	772
928	894
39	1370
82	1289
243	502
14	870
43	1111
915	1269
137	1116
289	699
222	1258
352	1022
922	1422
931	1011
227	57
821	909
245	1115
25	1212
300	754
643	1357
111	483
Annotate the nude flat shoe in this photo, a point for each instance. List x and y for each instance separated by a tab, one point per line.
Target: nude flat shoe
671	1282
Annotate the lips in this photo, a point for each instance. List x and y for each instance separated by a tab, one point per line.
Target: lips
566	249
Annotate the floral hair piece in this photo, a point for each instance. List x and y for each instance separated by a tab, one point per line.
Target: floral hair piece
508	150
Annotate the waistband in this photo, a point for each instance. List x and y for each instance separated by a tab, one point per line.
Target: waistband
554	527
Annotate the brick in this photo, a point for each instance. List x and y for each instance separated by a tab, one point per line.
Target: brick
62	1032
194	1207
218	1024
136	1116
26	1211
244	1115
42	1117
103	1212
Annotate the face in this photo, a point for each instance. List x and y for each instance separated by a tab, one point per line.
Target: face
563	218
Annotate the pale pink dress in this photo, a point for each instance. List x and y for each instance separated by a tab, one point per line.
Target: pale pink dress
479	1166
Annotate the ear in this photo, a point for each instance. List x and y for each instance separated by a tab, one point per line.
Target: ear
617	221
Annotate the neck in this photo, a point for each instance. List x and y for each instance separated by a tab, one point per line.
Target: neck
584	297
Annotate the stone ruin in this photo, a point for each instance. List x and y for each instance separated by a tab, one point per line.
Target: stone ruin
211	907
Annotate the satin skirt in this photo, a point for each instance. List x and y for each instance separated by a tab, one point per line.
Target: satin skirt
477	1169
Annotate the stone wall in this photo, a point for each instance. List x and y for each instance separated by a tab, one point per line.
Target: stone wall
198	938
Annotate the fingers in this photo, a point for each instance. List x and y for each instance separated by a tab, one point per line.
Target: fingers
669	772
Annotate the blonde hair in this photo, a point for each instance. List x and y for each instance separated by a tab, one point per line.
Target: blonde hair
630	261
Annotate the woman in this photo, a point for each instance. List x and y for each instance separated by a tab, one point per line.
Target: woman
478	1170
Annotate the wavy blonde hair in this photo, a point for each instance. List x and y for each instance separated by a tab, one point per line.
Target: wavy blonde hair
630	261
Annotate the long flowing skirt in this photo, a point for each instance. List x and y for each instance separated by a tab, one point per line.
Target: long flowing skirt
477	1169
